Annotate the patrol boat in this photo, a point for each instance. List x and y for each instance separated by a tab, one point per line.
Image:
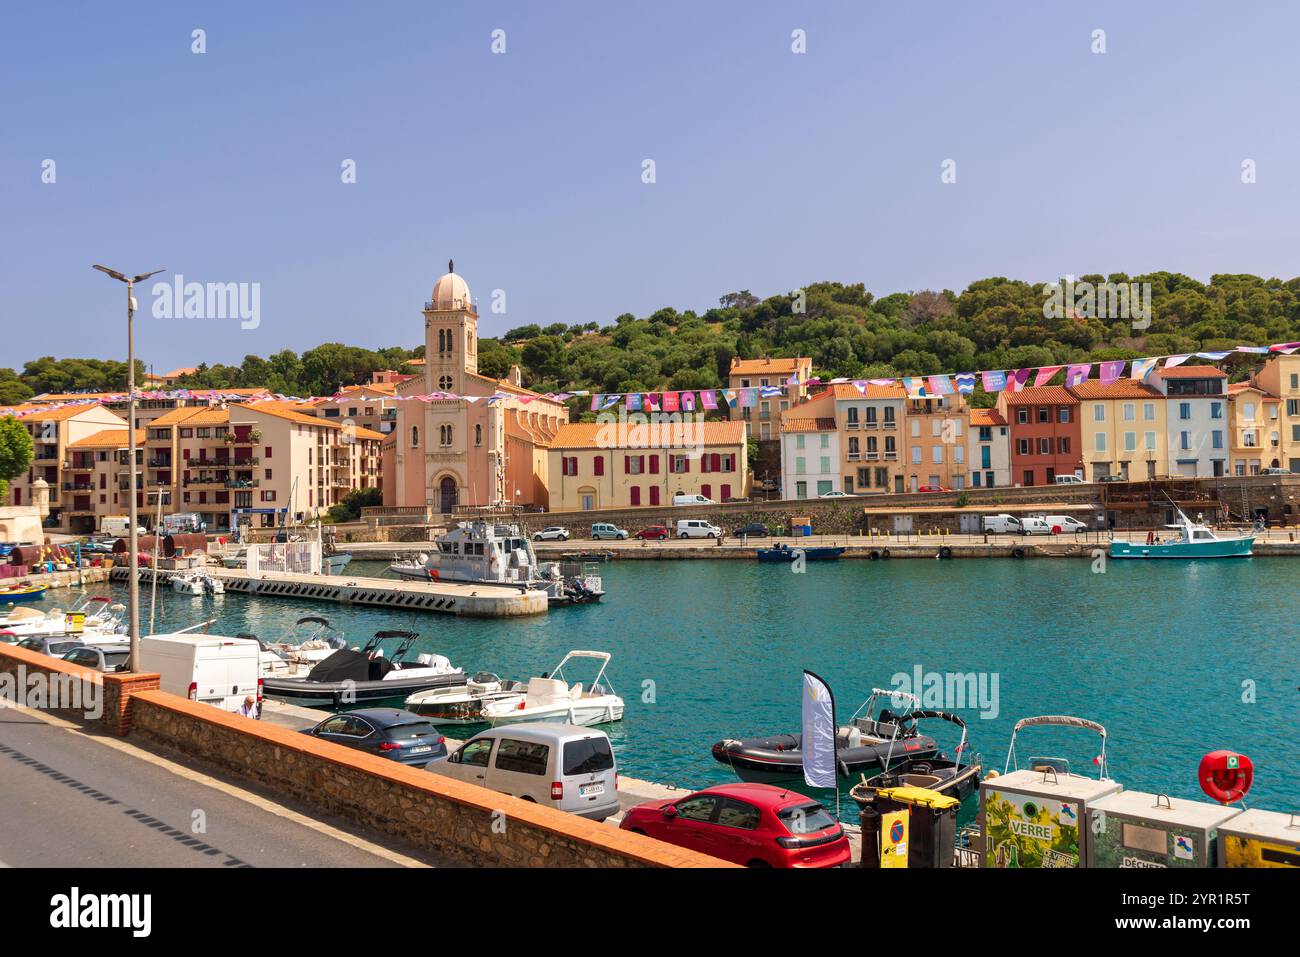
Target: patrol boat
486	553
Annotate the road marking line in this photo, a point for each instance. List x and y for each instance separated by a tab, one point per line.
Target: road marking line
231	790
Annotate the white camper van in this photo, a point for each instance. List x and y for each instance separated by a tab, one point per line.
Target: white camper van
118	526
1066	523
207	668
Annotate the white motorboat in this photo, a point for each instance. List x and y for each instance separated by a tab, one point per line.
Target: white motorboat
102	624
464	704
197	582
314	639
487	553
551	698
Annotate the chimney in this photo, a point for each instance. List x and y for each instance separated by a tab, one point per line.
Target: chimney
515	377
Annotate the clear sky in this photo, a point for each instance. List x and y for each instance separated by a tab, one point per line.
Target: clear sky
773	169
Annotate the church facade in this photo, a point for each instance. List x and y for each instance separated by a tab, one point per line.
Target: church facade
466	451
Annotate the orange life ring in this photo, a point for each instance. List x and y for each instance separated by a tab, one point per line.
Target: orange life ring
1226	776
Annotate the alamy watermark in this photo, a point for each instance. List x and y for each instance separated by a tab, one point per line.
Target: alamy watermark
951	691
1102	300
43	691
652	430
179	299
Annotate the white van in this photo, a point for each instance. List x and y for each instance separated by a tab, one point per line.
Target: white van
118	526
697	528
562	766
1066	523
1035	525
1070	479
1002	524
692	500
207	668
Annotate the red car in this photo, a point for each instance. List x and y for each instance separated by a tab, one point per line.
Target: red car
757	825
654	531
933	488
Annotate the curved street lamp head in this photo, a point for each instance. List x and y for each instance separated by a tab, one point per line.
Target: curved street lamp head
122	277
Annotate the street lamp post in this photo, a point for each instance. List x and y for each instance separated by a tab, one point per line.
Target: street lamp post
133	543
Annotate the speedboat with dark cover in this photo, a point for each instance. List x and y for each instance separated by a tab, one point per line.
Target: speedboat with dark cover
871	741
366	676
957	777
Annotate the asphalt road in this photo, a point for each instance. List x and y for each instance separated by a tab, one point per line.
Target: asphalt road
76	801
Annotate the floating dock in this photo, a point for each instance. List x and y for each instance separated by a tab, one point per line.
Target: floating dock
478	601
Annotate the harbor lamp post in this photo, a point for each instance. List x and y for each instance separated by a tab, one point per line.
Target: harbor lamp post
133	543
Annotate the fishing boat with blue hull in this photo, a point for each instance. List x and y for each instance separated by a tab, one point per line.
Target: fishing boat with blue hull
783	553
17	593
1191	540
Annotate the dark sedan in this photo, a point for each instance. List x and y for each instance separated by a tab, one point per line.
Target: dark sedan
388	732
753	530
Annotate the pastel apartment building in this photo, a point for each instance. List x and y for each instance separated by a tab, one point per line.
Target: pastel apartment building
1254	429
54	432
266	459
810	454
764	416
989	449
596	465
1280	379
935	442
1123	429
862	433
1196	414
1043	426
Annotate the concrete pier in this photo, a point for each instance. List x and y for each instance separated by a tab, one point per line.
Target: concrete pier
479	601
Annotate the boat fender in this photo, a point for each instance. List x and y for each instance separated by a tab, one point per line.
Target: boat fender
1017	552
874	556
1226	776
885	553
945	551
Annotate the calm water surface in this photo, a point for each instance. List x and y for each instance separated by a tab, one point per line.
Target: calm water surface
1161	653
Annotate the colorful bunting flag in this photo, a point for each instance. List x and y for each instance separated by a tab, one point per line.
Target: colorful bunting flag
709	399
1111	370
939	385
994	380
965	382
1045	374
1141	368
1077	373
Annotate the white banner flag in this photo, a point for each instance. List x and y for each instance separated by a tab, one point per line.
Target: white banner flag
818	745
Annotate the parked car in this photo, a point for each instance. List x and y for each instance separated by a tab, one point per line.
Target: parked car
1002	524
692	500
1065	523
752	529
1070	479
652	532
601	530
555	533
697	528
933	488
101	659
835	493
1113	478
563	766
757	825
1275	471
392	733
55	647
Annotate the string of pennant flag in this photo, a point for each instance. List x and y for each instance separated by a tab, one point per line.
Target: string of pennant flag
695	400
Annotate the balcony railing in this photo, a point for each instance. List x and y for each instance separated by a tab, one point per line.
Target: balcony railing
78	487
892	456
243	484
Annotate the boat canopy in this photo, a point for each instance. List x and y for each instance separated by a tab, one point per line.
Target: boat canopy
1062	721
348	665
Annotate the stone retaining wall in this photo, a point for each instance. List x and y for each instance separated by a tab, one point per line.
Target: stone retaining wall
110	695
446	817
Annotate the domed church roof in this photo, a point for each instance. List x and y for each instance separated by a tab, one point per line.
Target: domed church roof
451	291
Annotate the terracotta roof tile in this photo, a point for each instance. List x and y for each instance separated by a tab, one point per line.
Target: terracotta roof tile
588	435
808	425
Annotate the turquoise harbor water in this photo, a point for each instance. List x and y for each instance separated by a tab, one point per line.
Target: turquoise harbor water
1157	652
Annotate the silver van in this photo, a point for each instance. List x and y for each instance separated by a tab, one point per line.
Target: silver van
563	766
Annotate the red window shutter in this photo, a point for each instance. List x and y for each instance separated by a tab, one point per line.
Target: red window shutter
268	451
686	463
654	494
599	463
716	464
654	465
636	495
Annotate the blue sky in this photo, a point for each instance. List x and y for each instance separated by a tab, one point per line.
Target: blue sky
773	169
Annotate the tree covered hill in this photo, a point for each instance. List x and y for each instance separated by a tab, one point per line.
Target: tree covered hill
994	323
